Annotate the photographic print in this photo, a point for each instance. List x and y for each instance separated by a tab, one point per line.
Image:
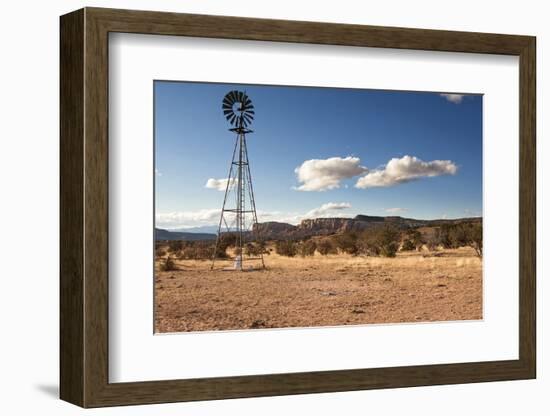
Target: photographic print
296	207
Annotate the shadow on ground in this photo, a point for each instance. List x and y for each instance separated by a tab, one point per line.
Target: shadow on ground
51	390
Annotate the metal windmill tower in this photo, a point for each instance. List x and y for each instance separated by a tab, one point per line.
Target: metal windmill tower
238	219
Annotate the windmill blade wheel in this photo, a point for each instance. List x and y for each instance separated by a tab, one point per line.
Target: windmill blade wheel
238	109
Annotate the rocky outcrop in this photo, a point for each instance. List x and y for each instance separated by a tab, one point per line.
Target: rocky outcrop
328	226
275	230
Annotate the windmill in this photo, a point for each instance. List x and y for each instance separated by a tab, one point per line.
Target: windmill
238	218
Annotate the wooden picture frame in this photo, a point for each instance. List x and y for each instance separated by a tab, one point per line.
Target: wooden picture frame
84	207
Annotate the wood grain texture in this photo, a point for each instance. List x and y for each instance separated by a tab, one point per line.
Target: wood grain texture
71	213
162	23
96	219
84	207
528	208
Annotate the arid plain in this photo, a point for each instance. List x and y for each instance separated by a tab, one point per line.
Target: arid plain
445	285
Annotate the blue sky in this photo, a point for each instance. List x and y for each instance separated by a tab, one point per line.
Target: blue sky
320	152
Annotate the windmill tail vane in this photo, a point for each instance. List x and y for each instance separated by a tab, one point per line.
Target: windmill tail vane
238	224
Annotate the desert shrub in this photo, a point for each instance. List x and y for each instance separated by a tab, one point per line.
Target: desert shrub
160	252
433	240
204	252
367	244
326	246
453	235
462	235
184	253
221	252
381	241
413	240
389	250
416	238
196	251
408	245
459	236
307	248
285	248
175	245
255	248
432	244
444	236
225	240
251	250
475	238
168	265
347	243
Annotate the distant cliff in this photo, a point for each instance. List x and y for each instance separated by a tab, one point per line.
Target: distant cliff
317	227
328	226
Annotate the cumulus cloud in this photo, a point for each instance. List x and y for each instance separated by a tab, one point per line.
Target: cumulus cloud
279	216
220	184
406	169
325	174
330	209
189	219
327	209
396	210
209	217
453	98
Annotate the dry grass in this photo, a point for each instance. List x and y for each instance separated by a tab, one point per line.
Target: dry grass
320	291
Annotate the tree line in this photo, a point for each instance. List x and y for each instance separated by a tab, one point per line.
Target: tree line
386	241
382	241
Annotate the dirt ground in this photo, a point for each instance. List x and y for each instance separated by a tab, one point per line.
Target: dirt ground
320	291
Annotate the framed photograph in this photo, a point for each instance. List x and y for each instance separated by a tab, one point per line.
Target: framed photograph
255	207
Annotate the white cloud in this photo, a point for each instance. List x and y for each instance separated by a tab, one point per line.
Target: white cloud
325	174
157	172
453	98
406	169
220	184
330	209
278	216
396	210
187	218
327	209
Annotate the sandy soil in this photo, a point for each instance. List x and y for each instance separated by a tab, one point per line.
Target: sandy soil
320	291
